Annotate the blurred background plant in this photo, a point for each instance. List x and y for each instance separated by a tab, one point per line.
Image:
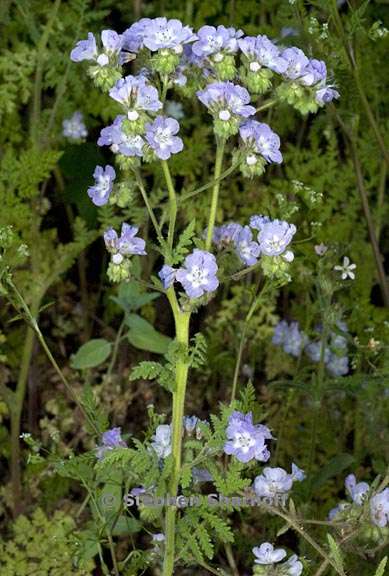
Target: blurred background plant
332	184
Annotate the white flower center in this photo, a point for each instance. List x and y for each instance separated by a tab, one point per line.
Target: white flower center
251	160
103	185
244	441
133	115
255	66
224	115
198	277
117	258
163	137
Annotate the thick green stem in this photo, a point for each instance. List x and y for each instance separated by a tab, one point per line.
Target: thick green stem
182	334
172	202
215	192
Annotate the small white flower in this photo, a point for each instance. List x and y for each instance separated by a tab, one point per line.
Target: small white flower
346	269
321	249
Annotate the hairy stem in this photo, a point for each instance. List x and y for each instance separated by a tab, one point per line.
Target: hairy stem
215	192
172	202
182	334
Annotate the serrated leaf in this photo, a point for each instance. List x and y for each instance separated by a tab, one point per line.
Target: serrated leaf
91	354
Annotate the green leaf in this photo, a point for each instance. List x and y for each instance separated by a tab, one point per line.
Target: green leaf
335	553
381	567
126	525
334	467
143	335
91	354
131	296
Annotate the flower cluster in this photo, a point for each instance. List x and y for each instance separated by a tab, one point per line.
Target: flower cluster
276	483
120	248
272	239
110	439
229	104
245	440
359	493
198	274
266	556
294	342
74	128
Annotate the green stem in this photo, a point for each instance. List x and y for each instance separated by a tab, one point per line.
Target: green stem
254	304
196	191
30	318
215	192
182	320
149	208
16	412
172	202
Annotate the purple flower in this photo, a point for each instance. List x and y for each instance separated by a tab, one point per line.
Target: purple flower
245	440
119	141
104	177
212	41
357	491
313	351
273	482
262	52
247	250
124	245
161	33
261	138
337	365
112	43
159	537
297	63
136	94
161	441
326	94
338	508
258	221
198	275
379	508
167	275
161	136
293	566
267	554
281	332
190	423
226	234
295	340
314	72
224	99
110	439
275	236
74	127
297	473
133	36
85	49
